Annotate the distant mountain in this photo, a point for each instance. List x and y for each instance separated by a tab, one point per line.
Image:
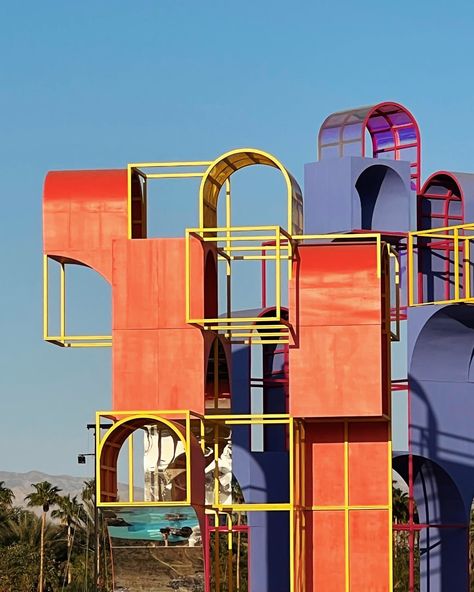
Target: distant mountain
20	484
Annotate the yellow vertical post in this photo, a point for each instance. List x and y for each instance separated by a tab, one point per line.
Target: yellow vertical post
45	296
216	464
390	510
188	457
278	273
217	565
411	271
346	506
202	430
456	264
230	566
130	468
62	305
467	268
228	222
291	454
216	373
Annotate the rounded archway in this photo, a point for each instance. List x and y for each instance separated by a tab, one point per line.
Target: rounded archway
384	199
181	473
230	162
392	128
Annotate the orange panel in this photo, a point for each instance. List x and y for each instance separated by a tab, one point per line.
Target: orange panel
369	478
159	361
158	369
325	558
335	285
336	308
369	551
83	211
336	372
324	464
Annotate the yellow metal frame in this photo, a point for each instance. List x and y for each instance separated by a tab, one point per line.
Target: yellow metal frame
243	329
302	506
138	168
63	339
460	237
160	417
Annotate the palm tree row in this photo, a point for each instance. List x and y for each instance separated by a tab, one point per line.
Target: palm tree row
42	555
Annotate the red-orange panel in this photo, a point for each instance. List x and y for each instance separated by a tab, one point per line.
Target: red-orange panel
324	464
83	211
336	372
369	553
325	558
149	283
369	474
158	369
335	285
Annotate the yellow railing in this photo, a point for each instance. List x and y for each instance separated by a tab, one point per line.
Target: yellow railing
456	242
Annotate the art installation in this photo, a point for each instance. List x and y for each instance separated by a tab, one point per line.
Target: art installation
267	432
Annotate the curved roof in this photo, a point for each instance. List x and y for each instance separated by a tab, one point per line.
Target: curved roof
230	162
392	128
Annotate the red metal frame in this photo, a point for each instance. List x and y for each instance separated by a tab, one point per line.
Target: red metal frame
452	193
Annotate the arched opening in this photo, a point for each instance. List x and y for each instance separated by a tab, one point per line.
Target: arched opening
217	378
222	169
440	204
384	199
435	530
392	128
211	309
167	465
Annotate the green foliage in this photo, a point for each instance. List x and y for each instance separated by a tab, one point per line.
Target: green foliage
68	542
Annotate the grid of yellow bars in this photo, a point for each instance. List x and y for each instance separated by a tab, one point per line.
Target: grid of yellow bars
267	243
300	505
215	423
456	239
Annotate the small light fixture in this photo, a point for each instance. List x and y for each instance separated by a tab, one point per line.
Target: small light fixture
81	459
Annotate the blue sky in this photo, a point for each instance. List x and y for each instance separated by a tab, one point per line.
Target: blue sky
97	84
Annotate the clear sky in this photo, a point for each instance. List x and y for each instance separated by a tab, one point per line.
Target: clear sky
97	84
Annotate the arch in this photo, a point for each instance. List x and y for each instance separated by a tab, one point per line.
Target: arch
440	202
222	394
110	446
444	348
442	523
393	130
230	162
384	199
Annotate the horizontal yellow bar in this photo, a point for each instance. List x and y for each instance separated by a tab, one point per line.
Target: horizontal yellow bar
205	229
229	320
79	337
249	416
348	236
242	327
255	422
265	342
141	504
253	507
256	248
344	508
143	412
282	333
173	175
95	344
453	301
469	226
179	163
229	239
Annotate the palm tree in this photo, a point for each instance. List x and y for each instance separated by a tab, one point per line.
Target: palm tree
44	496
69	514
6	496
